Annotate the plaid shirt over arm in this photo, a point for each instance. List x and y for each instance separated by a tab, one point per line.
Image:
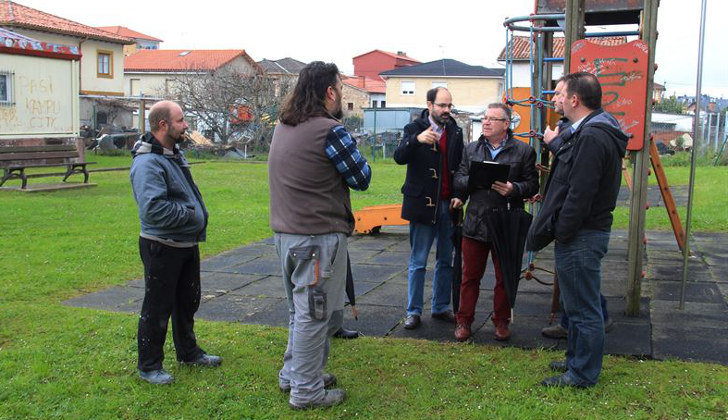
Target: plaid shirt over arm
342	151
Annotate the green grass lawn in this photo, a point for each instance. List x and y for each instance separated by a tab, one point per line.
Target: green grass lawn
57	361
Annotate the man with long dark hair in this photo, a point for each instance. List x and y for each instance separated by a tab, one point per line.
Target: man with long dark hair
580	195
313	163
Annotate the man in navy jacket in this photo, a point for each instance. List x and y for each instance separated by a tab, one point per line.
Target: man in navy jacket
580	195
431	147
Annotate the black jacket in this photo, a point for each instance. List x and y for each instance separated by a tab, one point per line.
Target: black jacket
586	174
421	187
522	174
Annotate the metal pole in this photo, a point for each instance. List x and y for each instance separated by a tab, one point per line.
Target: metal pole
374	136
142	117
717	131
698	89
708	122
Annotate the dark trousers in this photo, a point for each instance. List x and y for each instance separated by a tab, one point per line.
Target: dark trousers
172	287
475	257
579	266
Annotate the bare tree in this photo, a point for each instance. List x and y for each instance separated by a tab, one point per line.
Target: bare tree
236	107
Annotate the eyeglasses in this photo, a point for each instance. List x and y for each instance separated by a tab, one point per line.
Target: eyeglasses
492	119
445	105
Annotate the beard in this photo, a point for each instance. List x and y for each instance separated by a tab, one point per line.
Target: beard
338	114
176	138
441	119
339	110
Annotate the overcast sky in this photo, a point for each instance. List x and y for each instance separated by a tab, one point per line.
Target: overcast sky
465	30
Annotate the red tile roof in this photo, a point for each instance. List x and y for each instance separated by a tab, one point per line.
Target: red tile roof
521	48
14	15
176	60
367	84
399	57
129	33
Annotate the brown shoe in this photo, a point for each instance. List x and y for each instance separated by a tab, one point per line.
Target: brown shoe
462	332
502	333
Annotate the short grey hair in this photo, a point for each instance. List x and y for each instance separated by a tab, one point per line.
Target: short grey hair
502	106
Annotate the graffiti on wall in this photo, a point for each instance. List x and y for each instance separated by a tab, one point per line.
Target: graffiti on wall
622	72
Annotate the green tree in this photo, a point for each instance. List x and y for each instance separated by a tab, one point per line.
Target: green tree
669	105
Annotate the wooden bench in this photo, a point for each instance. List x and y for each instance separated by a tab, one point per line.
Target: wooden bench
18	155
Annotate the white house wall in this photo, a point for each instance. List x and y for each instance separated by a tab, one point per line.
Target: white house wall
522	73
45	97
151	83
90	82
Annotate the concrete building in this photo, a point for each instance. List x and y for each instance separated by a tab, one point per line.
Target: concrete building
472	87
372	63
101	67
153	72
141	41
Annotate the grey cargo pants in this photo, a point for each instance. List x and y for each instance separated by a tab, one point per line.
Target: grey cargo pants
314	277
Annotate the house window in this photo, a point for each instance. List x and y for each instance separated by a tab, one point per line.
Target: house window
105	64
374	104
383	104
407	88
439	84
350	106
168	86
6	88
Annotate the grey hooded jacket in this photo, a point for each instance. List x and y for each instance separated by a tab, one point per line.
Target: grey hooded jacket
170	205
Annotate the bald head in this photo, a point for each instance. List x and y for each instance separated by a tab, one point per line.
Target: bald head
161	111
167	123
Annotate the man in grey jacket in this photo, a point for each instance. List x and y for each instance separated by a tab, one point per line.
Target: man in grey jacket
173	220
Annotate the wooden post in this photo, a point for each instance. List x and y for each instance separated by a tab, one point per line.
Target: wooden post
573	29
636	246
142	116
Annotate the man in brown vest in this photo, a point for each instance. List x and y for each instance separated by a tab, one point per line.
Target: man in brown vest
312	164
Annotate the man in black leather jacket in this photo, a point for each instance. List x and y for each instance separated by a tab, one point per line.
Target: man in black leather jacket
496	145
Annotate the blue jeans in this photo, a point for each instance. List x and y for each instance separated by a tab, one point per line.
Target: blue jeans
421	238
578	264
605	314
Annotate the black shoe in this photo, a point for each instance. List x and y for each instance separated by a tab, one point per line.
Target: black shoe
346	334
563	380
206	360
558	366
329	381
330	398
412	322
156	377
446	316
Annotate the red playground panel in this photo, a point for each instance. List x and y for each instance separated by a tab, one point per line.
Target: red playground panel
622	72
